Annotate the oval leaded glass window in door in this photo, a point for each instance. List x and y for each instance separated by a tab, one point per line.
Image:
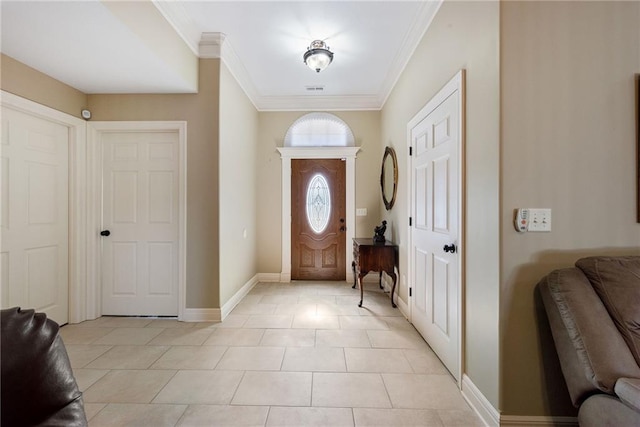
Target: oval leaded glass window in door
318	203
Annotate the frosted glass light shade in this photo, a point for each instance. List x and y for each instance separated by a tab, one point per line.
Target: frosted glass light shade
318	56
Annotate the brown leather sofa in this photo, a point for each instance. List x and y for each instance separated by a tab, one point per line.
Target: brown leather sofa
37	384
594	314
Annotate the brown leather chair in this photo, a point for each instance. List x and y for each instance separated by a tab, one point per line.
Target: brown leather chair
38	386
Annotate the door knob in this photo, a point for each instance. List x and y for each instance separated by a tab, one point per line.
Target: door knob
449	248
342	228
105	233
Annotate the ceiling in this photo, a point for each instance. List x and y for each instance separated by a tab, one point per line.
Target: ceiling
152	46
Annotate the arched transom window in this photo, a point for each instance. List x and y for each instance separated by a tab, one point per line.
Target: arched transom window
319	130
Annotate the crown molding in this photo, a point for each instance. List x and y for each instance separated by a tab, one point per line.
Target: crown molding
179	19
214	45
317	103
210	45
428	11
239	72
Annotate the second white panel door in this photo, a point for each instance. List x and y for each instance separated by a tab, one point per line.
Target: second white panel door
435	236
140	215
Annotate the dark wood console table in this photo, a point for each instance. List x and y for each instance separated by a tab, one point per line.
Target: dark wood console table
370	256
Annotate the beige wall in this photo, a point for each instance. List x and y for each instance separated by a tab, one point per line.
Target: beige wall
569	145
272	129
201	113
238	182
17	78
463	35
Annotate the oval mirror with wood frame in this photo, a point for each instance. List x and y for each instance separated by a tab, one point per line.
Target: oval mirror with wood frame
389	177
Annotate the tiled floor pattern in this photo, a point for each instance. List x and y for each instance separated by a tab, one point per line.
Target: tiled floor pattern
298	354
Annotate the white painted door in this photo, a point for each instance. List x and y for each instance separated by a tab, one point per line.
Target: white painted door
34	215
435	135
140	210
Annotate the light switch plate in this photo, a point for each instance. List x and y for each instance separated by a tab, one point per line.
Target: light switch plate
539	220
361	212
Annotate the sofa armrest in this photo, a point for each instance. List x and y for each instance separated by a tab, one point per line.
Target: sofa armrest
593	354
37	382
628	390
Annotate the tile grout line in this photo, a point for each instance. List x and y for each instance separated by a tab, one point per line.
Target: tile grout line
181	417
165	385
169	347
97	413
266	419
236	389
313	375
215	368
384	383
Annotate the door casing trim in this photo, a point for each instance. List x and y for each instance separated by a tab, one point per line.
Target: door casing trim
94	215
287	154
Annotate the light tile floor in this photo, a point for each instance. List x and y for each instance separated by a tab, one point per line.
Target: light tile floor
297	354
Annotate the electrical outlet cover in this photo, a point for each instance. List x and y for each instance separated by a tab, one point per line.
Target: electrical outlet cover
539	220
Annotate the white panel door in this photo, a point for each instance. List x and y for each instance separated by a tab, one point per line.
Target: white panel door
34	216
140	210
435	139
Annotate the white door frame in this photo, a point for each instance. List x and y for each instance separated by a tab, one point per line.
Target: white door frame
456	83
94	216
77	195
288	153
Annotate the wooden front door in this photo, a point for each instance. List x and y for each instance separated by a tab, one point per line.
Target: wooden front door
318	219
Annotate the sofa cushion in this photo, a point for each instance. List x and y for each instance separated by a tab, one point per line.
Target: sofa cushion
617	282
628	390
602	410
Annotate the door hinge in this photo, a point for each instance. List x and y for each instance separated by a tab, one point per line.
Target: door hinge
410	150
410	221
410	291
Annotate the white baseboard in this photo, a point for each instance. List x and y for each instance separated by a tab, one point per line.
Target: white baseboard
269	277
201	315
402	306
523	420
491	417
285	277
480	404
237	297
219	314
372	277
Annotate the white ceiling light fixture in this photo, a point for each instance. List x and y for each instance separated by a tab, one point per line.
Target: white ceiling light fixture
318	56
